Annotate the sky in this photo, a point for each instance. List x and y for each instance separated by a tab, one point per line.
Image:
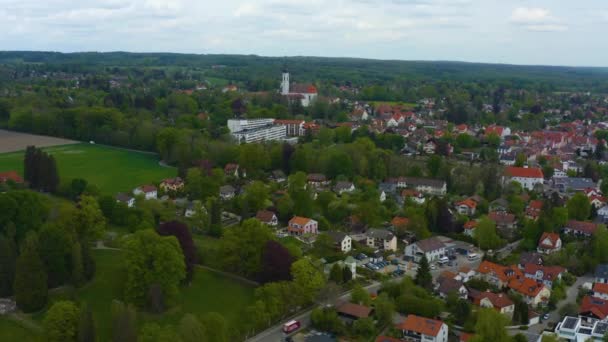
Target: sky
547	32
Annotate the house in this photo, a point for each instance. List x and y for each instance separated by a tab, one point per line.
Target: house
172	184
278	176
601	274
129	201
505	222
465	274
580	228
148	191
342	241
302	225
466	207
433	187
547	275
193	207
576	329
400	222
573	184
267	217
465	337
534	209
499	205
413	195
432	248
497	274
352	312
227	192
532	292
549	243
600	290
528	177
593	308
317	180
469	228
419	329
602	213
343	186
498	301
381	239
500	131
530	258
231	170
10	176
295	128
447	285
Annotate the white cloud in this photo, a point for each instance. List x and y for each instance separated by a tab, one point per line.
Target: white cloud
537	19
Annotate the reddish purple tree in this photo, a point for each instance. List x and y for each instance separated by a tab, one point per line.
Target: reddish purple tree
276	263
184	236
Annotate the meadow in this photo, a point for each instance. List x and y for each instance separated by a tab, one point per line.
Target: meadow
112	170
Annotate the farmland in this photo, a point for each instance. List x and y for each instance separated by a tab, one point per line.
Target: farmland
16	141
111	170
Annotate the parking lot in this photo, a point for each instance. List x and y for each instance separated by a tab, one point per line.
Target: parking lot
455	265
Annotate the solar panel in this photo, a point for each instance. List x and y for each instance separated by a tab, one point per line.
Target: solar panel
600	328
585	331
570	323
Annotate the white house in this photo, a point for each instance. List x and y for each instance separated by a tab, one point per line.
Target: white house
302	225
432	248
267	217
417	328
342	241
129	201
528	177
602	213
148	191
549	243
381	239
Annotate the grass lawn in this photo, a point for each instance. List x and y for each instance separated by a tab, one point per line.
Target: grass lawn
208	292
11	331
111	170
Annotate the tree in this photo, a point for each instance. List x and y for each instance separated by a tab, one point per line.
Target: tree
55	247
78	277
485	234
61	322
326	319
384	309
191	329
491	326
30	286
184	237
307	280
124	322
255	196
242	247
276	262
86	325
89	220
579	207
360	296
8	258
217	327
424	278
335	274
323	246
347	274
152	260
599	245
364	327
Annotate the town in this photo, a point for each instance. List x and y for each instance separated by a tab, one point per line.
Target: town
300	211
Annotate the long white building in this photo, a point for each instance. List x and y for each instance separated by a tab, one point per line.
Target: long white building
256	130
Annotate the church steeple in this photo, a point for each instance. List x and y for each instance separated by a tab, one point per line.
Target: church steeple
285	82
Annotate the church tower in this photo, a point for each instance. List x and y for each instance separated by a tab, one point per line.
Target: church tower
285	83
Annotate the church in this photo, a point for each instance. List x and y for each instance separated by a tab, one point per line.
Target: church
306	93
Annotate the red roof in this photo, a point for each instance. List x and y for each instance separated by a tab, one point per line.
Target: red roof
468	202
594	305
399	221
300	221
498	300
536	205
10	175
464	337
549	240
504	273
470	224
494	129
583	227
421	325
524	172
550	273
526	286
600	287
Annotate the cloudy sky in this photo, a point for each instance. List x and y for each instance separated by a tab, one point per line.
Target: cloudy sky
556	32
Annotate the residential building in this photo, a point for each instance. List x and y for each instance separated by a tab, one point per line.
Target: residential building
422	329
532	292
602	213
11	176
227	192
527	177
344	187
547	275
573	184
351	312
469	228
267	217
172	184
278	176
255	130
534	209
448	285
231	170
573	329
342	241
549	243
498	301
497	274
433	248
580	228
601	274
505	222
302	225
593	309
317	180
148	191
381	239
466	207
600	290
294	128
413	195
129	201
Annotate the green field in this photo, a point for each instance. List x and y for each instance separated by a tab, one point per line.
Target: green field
111	170
11	331
208	292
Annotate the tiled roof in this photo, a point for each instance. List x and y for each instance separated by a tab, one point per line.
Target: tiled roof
470	225
524	172
421	325
399	221
501	218
594	305
552	238
10	175
504	273
550	273
498	300
581	226
468	202
265	215
355	310
600	287
526	286
301	221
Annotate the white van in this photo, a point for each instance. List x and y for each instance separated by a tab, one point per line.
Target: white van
473	256
444	260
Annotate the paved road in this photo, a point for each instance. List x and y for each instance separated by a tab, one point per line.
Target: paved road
275	334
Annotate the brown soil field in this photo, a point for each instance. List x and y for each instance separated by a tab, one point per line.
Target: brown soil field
16	141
